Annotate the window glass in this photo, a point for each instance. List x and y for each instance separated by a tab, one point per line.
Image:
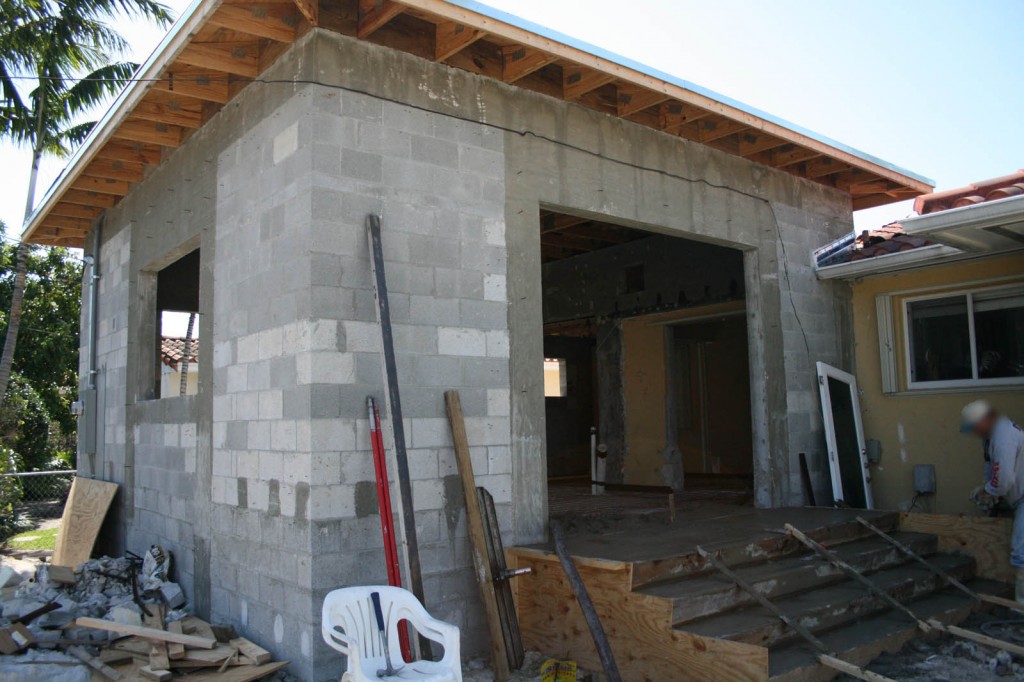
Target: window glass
940	339
999	333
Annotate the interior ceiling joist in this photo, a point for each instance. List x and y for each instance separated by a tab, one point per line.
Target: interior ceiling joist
221	45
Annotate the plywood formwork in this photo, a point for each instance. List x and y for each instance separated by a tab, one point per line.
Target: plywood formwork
985	538
639	627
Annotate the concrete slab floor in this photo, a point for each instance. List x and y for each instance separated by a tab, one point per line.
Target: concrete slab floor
645	538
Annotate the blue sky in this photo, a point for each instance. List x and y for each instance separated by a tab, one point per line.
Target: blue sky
934	87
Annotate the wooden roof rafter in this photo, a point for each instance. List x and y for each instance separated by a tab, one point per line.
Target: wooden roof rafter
222	45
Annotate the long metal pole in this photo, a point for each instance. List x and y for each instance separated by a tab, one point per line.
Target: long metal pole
407	519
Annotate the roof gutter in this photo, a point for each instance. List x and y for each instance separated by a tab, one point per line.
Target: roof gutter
166	51
894	262
976	216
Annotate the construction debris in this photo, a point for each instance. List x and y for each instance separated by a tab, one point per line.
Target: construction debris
117	619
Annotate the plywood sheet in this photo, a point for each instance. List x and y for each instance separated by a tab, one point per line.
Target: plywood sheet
84	512
985	538
639	627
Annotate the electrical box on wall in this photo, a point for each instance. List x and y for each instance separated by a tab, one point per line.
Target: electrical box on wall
924	479
85	410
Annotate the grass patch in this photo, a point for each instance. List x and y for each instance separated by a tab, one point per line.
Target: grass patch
34	539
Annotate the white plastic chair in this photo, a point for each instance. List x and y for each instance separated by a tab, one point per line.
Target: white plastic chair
349	625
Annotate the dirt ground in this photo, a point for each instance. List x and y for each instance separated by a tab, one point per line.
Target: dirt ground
952	659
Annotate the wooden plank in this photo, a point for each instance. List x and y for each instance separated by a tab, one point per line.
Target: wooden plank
985	538
251	650
274	22
69	210
66	223
147	633
242	673
202	84
755	143
88	198
118	188
180	113
711	130
148	131
477	536
518	61
451	37
136	152
639	626
94	663
193	625
240	58
373	14
674	115
150	673
310	9
115	170
631	99
577	81
175	650
158	658
84	512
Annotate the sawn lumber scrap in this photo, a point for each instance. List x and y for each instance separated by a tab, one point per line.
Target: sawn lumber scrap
147	633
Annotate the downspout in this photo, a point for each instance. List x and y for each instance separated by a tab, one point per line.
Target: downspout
94	296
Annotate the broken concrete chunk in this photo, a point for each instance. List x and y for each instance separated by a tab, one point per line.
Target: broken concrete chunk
9	577
172	594
124	615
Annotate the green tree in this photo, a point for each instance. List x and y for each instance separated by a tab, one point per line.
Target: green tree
47	357
66	47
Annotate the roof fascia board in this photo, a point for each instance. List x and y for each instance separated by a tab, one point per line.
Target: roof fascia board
486	18
193	18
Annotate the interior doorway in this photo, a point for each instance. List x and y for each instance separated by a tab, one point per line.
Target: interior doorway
709	401
645	357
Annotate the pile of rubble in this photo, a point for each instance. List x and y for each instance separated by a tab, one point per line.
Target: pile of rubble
118	619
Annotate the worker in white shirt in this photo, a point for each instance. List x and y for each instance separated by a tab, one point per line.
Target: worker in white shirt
1004	472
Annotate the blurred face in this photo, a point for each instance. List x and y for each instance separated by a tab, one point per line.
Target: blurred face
984	427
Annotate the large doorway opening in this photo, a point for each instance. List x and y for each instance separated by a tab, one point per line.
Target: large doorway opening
646	370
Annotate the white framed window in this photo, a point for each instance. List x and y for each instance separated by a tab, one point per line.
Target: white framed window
965	339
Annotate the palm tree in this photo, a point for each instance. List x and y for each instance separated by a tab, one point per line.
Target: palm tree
53	42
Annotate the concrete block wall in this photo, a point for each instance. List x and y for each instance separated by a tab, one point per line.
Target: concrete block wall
438	186
275	190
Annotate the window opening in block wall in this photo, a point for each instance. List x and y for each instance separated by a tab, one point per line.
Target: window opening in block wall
179	327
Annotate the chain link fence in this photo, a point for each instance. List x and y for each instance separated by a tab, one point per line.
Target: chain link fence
33	495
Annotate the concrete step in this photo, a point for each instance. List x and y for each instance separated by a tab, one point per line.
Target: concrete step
773	545
859	642
705	595
829	606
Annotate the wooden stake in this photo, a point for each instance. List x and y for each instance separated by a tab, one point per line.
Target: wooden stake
991	599
604	649
925	626
484	578
407	519
825	656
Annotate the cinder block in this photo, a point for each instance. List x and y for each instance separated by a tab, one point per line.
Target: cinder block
434	151
494	288
461	341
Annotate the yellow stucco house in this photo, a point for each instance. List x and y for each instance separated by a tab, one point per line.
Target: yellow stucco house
938	310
